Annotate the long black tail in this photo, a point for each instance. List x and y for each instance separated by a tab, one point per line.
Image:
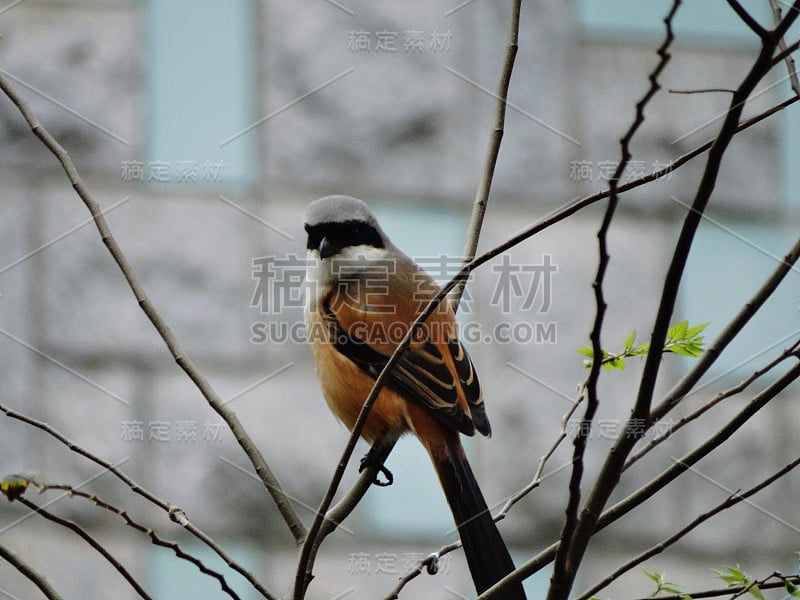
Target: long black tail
486	552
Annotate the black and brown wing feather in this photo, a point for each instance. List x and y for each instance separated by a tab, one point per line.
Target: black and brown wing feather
421	375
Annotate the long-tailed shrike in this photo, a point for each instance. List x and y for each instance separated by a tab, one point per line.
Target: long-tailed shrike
363	295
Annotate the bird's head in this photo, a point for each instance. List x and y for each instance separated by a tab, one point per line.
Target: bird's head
344	227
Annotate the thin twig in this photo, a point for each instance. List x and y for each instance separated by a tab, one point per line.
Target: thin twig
726	504
748	19
729	128
72	446
535	482
701	91
731	330
89	540
262	468
777	16
730	392
492	152
612	468
726	591
428	564
573	543
37	579
338	513
537	476
308	551
175	513
151	533
206	539
787	52
653	487
350	500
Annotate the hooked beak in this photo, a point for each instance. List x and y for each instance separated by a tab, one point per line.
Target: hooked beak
327	248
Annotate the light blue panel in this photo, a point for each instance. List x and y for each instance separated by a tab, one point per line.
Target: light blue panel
171	577
696	20
790	140
724	270
701	22
415	505
537	585
200	68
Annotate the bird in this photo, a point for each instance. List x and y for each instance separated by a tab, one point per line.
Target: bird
362	296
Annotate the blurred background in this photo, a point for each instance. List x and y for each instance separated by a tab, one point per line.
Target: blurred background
203	128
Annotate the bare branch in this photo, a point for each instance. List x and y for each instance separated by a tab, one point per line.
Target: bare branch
729	502
785	53
305	564
91	541
430	564
208	541
20	565
574	538
701	91
731	330
151	533
782	27
537	476
262	468
350	500
535	482
612	468
647	491
777	16
788	353
339	512
748	19
492	152
175	513
727	591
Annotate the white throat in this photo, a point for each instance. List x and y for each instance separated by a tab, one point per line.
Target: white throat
321	273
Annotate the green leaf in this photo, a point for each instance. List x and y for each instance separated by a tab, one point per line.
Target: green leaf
678	331
654	576
617	362
682	350
586	351
792	589
629	340
755	591
693	331
733	576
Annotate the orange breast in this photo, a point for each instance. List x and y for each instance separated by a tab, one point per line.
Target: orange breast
346	387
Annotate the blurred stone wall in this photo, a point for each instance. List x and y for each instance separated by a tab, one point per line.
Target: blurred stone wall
406	129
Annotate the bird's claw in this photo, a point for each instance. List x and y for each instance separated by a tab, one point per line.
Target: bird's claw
367	462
